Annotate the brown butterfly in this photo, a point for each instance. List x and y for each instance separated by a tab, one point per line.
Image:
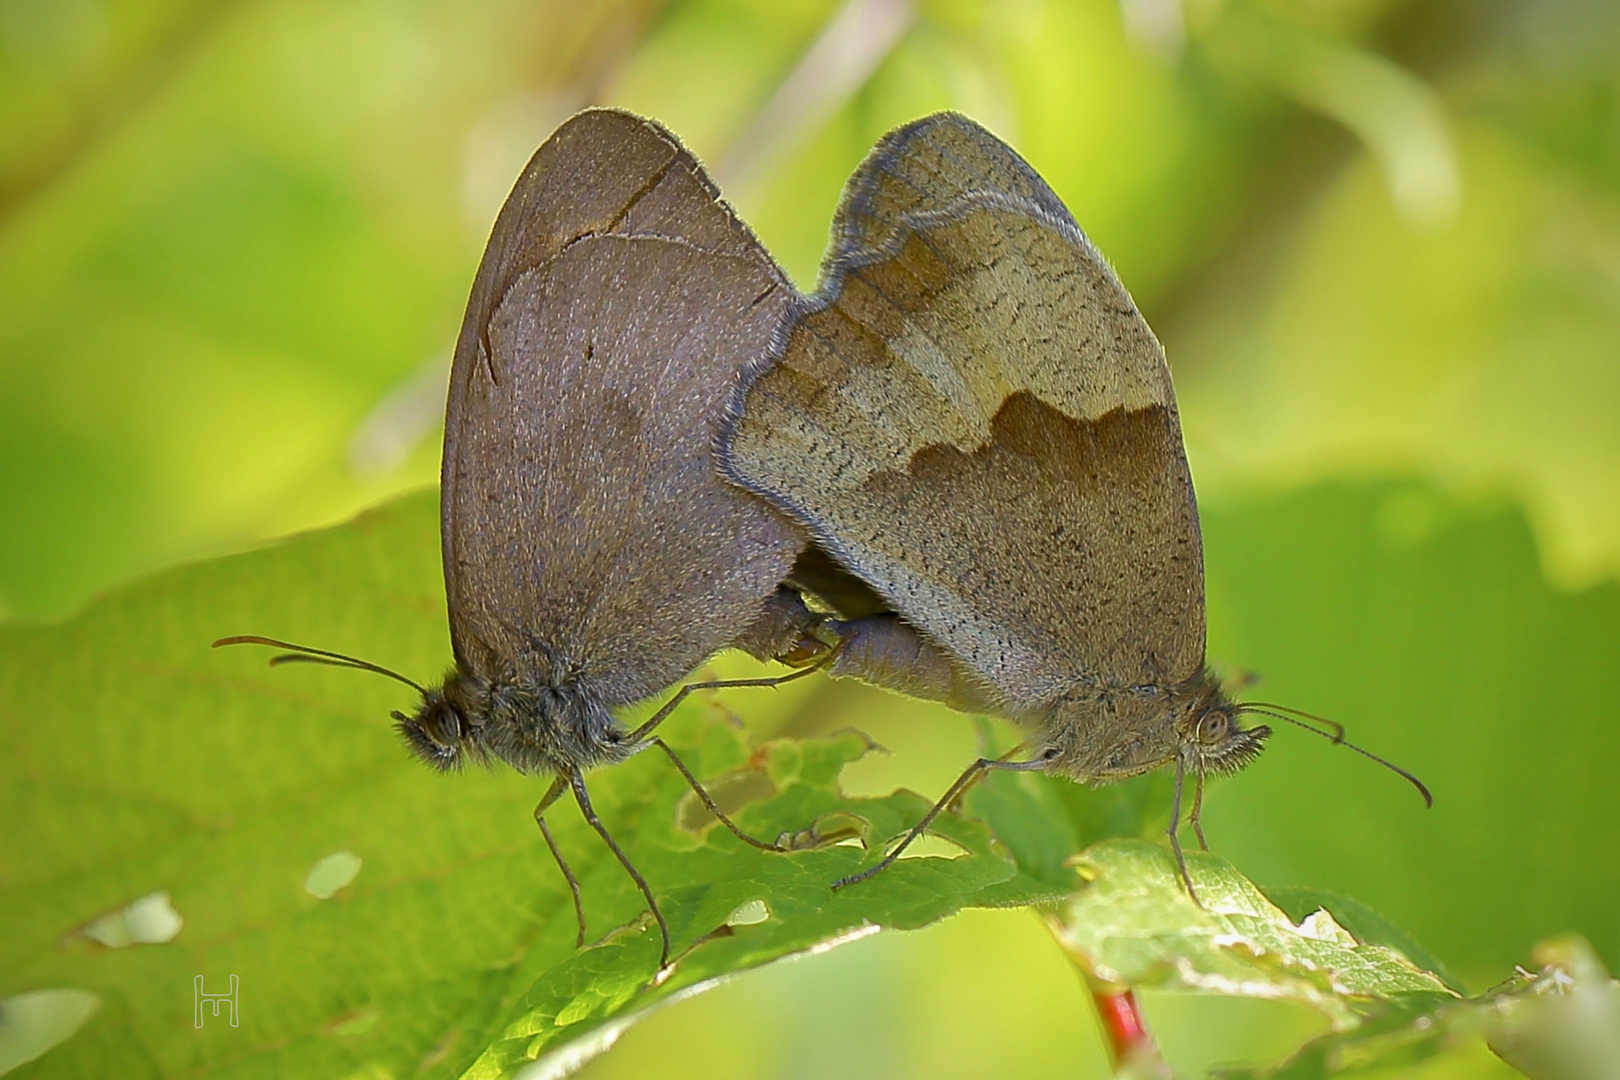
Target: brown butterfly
972	418
592	554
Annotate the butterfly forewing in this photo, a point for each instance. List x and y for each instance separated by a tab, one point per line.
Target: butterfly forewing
585	527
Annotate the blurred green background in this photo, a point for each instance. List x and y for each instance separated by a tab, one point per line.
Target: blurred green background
1380	240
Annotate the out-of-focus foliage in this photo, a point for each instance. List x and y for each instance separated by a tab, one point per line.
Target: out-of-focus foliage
1568	1026
1421	622
1559	1023
1376	236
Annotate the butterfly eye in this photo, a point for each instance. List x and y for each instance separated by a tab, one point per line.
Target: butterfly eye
444	726
1214	728
436	734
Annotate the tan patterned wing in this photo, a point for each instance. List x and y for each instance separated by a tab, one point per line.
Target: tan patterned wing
972	416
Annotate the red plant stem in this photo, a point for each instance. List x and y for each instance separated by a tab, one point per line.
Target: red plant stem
1122	1020
1135	1053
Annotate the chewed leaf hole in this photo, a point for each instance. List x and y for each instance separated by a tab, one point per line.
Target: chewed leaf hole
929	846
331	873
751	913
31	1024
151	920
837	829
730	792
1320	926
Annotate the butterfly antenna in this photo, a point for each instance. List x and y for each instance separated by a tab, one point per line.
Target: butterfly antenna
306	655
1335	734
1335	730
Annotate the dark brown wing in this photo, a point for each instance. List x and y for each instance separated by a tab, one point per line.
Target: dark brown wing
585	528
972	416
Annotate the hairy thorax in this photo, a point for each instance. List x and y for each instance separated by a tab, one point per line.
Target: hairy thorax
535	726
1102	733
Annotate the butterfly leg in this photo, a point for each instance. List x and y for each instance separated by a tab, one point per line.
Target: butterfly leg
1175	841
969	777
709	802
641	733
577	781
1195	818
644	734
558	786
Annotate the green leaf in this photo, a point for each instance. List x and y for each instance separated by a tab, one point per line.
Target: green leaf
1362	921
1421	621
176	811
1135	924
1563	1023
1560	1023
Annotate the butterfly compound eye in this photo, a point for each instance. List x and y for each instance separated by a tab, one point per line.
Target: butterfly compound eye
435	734
1214	728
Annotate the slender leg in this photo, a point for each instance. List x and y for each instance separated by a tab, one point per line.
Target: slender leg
558	786
709	801
968	778
1175	842
1194	818
662	714
577	782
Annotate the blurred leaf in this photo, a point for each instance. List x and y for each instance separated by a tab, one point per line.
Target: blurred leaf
1565	1025
1561	1023
144	771
1395	115
1395	1037
1422	622
1481	351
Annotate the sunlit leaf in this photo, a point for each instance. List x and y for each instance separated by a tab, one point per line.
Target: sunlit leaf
376	915
1134	923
